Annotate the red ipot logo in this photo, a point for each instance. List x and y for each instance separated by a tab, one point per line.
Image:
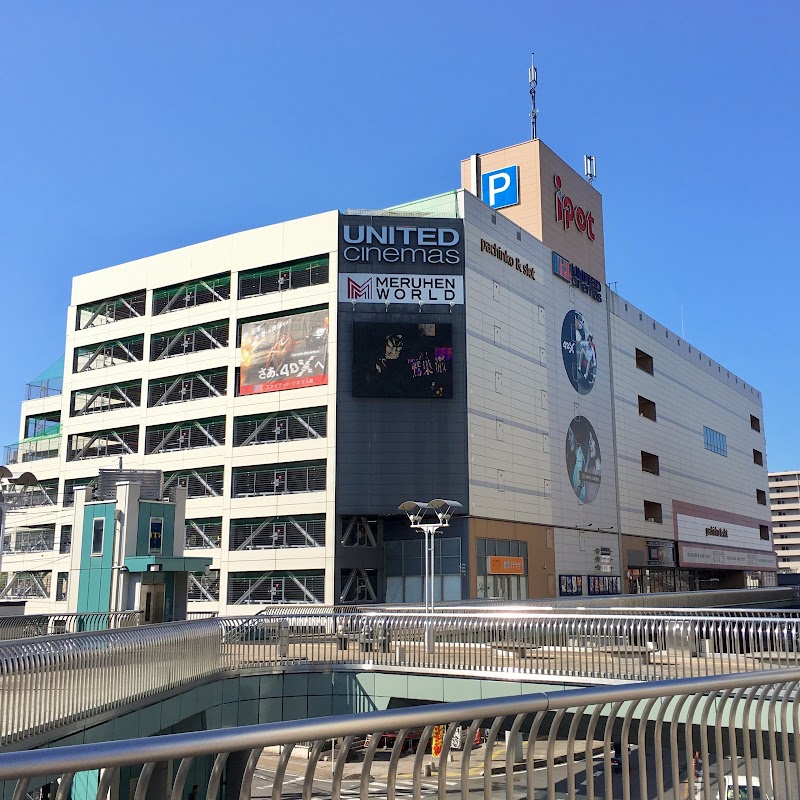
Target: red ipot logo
570	214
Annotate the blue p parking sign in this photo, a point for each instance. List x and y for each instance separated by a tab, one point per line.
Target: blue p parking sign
501	187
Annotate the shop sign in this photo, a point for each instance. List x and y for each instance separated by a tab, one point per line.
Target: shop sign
401	241
503	255
567	213
713	530
577	278
506	565
365	287
710	557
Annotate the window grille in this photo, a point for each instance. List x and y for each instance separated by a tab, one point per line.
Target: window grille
99	444
191	386
203	533
280	278
108	354
282	426
268	533
275	479
204	588
109	397
184	341
188	295
35	540
69	488
188	435
126	306
205	482
259	588
27	585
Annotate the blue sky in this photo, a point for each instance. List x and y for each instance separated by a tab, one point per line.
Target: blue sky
130	128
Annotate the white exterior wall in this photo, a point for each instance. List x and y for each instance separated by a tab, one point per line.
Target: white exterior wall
262	247
518	422
784	497
690	391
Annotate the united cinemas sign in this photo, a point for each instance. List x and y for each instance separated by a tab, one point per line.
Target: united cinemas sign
366	287
414	241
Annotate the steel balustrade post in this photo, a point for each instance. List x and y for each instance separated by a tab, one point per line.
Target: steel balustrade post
551	744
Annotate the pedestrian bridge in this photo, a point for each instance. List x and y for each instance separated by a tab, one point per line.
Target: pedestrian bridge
638	676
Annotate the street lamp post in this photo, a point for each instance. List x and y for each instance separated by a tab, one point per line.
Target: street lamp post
417	513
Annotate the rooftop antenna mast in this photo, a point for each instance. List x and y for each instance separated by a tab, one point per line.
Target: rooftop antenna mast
534	111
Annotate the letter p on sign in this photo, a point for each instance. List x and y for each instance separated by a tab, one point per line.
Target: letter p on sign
500	188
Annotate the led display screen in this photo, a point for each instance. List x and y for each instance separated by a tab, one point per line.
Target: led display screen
402	359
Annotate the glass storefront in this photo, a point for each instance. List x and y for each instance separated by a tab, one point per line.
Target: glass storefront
405	570
495	584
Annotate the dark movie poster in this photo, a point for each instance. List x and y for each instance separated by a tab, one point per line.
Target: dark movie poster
402	359
584	466
288	352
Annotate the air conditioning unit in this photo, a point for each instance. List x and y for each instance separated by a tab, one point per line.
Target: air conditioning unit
651	519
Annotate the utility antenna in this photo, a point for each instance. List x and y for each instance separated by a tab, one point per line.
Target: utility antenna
590	168
534	110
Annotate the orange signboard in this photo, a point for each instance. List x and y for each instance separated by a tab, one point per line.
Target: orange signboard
506	565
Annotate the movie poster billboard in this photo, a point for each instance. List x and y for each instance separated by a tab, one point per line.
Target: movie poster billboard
584	466
402	359
604	584
288	352
570	585
579	352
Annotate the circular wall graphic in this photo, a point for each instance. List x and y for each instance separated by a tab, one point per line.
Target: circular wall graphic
583	459
579	352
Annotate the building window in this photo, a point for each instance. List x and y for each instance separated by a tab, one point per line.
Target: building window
259	588
272	533
187	295
647	408
184	341
652	512
65	543
203	533
203	588
764	531
156	532
405	570
129	350
111	309
62	585
280	426
291	275
755	423
650	463
761	497
98	528
190	386
758	457
715	441
188	435
268	479
644	361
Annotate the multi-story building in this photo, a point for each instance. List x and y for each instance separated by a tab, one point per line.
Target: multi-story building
303	379
784	500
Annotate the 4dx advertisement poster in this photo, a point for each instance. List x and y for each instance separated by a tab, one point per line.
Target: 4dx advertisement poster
289	352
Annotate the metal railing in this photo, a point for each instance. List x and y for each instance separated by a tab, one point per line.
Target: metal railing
24	627
608	741
595	647
46	682
84	673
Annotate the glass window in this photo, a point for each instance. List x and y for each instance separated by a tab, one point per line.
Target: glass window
156	531
481	548
451	589
451	565
715	441
503	547
98	527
